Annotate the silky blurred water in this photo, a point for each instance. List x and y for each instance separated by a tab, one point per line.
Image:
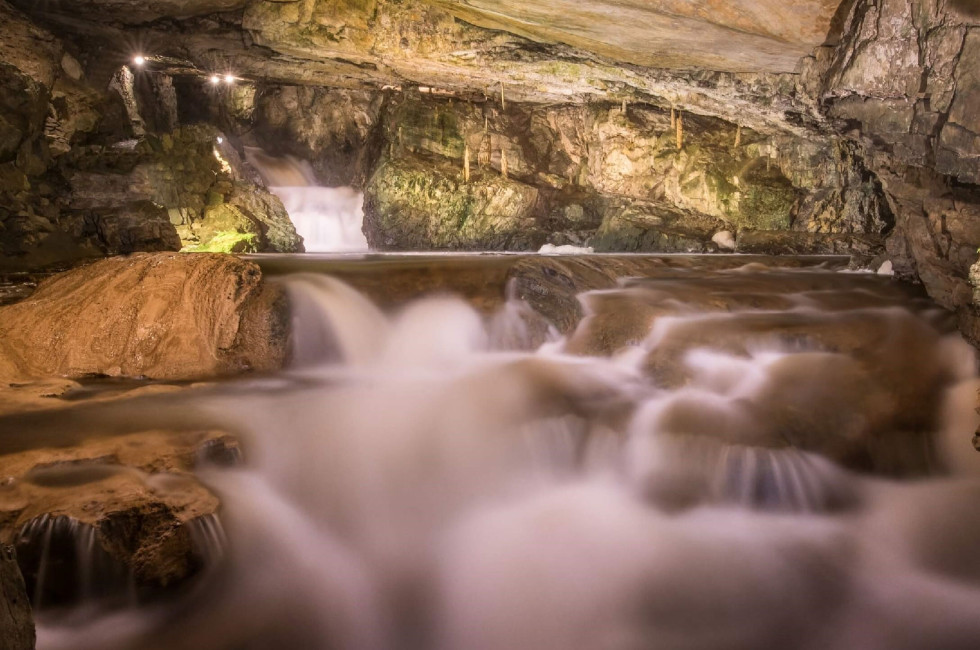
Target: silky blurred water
329	219
746	458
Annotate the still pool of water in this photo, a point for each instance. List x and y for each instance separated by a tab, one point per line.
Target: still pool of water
720	454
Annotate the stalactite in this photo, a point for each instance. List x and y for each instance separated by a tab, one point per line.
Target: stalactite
624	106
680	131
466	164
503	100
503	162
485	153
738	136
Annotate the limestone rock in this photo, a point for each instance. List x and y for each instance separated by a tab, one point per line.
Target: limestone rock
127	228
198	181
643	227
959	141
431	45
129	505
724	239
142	12
905	74
628	187
28	49
333	129
166	316
741	35
16	620
863	248
425	205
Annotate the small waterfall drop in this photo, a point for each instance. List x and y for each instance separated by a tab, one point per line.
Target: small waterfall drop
328	218
741	459
65	565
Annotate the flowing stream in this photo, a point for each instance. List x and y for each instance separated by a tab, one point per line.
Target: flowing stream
329	219
743	458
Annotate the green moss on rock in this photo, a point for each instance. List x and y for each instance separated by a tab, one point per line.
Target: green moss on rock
228	242
415	204
767	206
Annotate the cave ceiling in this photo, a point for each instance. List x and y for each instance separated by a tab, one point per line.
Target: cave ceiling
731	35
731	59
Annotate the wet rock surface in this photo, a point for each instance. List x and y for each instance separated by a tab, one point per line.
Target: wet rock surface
856	339
103	520
734	390
165	316
112	519
548	284
16	619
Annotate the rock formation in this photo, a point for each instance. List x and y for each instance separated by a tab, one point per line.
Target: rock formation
112	513
160	316
903	85
93	163
16	621
809	126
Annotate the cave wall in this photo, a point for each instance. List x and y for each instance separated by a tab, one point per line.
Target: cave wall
904	86
618	177
601	174
872	140
334	129
93	162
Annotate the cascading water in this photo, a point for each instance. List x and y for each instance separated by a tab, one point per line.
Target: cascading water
328	218
693	467
69	566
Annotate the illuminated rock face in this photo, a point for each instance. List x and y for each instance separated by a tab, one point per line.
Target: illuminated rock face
738	36
613	180
173	317
414	204
903	77
861	115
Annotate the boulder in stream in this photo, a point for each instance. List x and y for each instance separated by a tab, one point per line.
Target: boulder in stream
162	316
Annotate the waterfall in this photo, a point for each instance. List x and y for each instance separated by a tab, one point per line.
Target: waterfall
710	459
67	566
328	218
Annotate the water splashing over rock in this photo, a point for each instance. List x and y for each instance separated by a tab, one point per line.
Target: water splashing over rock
329	219
702	462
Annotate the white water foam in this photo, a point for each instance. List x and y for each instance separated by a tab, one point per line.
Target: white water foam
411	485
329	219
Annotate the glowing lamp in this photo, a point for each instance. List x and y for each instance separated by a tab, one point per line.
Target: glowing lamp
229	79
139	59
215	79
